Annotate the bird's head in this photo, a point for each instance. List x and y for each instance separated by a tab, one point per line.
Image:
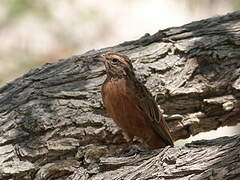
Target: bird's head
117	65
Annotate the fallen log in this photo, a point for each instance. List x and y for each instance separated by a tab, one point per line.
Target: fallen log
53	125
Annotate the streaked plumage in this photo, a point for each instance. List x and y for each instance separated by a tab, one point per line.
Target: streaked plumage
131	105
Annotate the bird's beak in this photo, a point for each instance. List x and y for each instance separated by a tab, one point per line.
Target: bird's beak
100	58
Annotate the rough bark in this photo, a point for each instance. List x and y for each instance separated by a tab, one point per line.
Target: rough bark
52	122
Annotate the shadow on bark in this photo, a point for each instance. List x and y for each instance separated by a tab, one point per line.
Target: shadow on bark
52	122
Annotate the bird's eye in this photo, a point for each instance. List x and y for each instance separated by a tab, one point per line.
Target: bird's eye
114	60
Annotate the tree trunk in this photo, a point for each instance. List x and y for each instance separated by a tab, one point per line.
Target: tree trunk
53	126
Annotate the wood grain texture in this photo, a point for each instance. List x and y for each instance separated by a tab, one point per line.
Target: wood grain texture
213	159
52	122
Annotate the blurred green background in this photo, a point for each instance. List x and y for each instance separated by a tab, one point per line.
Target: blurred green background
33	32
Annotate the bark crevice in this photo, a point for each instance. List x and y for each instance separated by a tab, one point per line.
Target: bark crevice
53	125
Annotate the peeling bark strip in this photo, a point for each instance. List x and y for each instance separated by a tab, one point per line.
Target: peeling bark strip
52	123
214	159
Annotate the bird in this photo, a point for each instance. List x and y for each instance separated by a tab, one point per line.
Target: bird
131	105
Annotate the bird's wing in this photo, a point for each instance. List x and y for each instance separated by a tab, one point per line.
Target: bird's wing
148	106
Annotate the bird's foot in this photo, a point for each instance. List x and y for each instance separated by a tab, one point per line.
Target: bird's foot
134	150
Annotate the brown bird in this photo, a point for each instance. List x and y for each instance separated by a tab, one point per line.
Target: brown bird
131	105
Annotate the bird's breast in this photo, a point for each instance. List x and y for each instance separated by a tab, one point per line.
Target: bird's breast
115	95
120	102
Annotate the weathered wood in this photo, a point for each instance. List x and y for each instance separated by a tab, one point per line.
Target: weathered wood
214	159
52	122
